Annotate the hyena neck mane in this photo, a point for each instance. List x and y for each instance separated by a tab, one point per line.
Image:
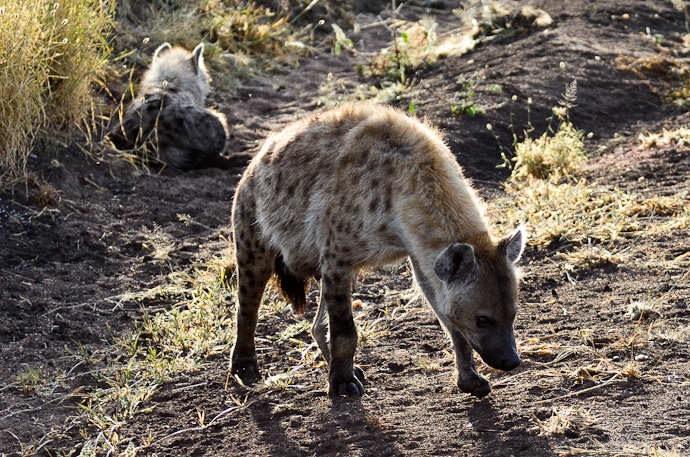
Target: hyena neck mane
440	207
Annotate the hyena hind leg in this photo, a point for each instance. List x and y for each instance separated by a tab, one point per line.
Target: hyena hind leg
254	269
319	329
319	332
336	298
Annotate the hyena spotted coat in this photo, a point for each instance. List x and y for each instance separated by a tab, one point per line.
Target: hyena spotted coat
169	114
359	186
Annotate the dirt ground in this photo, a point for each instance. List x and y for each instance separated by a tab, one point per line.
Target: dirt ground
61	266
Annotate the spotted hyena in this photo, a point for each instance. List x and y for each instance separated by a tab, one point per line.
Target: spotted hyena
360	186
170	116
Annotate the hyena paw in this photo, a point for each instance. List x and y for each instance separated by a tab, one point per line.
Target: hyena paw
350	386
474	384
247	368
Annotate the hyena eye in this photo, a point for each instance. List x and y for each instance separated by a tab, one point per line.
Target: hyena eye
483	322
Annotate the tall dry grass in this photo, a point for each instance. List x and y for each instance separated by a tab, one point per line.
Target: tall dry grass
50	54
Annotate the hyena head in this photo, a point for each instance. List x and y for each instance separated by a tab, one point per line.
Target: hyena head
481	288
174	70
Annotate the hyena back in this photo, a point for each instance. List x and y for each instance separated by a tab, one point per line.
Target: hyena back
361	186
169	114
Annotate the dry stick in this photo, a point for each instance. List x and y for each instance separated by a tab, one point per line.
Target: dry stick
505	381
221	414
37	408
189	387
309	6
579	392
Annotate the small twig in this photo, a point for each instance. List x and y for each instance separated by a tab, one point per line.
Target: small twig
79	305
25	278
193	386
505	381
379	23
221	414
37	408
579	392
88	180
305	10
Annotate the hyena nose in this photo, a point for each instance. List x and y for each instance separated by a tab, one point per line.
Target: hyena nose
510	361
503	359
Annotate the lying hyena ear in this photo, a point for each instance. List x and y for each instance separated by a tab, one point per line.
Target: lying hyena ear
513	245
457	263
198	56
162	49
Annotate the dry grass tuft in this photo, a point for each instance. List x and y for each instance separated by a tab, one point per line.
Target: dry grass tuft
562	153
679	137
631	370
669	332
591	256
370	332
43	193
658	206
158	242
571	211
546	195
646	308
416	44
51	54
566	421
241	37
253	30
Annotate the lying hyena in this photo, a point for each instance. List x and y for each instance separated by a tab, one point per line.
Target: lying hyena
170	116
361	186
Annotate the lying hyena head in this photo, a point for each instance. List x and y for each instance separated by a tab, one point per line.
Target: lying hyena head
363	185
176	70
169	115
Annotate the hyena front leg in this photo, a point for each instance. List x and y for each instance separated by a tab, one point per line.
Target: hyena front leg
468	380
336	290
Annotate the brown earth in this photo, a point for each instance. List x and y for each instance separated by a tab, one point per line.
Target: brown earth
61	266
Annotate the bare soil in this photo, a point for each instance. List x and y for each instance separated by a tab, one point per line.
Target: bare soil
60	265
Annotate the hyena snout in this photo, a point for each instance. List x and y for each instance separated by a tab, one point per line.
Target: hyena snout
500	352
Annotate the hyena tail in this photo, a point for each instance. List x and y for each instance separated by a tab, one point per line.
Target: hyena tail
293	288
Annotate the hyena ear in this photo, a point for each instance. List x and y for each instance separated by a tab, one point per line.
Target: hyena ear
457	263
513	245
198	56
162	49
